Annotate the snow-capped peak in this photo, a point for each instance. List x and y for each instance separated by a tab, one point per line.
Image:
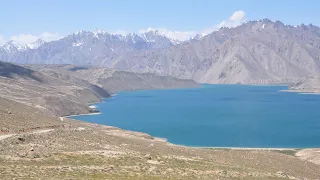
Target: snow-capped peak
98	32
198	36
150	35
36	44
155	32
82	32
13	46
175	36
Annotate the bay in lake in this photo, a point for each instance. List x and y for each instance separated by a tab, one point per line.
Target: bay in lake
218	116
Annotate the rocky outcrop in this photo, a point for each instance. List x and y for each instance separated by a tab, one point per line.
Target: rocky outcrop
308	85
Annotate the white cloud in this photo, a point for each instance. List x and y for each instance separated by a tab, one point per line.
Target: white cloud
29	38
120	32
24	38
47	36
237	16
234	20
2	40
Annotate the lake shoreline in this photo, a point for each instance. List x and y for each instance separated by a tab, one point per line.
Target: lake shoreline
253	149
203	147
88	114
285	146
315	92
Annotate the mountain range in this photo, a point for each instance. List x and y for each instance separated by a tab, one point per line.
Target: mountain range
256	52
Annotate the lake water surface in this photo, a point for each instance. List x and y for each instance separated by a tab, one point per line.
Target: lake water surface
218	116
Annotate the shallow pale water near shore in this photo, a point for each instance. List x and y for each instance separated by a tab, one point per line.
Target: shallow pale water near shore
218	116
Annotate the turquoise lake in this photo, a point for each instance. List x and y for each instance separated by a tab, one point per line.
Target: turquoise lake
217	116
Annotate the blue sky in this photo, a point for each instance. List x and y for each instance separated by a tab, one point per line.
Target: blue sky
43	18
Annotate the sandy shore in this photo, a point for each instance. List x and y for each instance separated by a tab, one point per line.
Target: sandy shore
249	148
92	106
312	155
89	114
315	92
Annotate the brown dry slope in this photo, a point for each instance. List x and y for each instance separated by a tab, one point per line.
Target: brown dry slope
61	90
52	95
16	118
113	80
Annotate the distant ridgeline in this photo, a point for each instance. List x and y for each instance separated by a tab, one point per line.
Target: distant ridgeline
256	52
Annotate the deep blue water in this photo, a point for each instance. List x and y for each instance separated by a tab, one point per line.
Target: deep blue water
218	116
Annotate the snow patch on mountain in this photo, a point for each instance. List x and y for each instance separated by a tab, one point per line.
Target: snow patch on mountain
175	37
36	44
77	44
13	46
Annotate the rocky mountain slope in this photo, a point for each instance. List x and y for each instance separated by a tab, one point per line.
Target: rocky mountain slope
261	52
54	94
255	52
62	89
97	48
307	85
113	80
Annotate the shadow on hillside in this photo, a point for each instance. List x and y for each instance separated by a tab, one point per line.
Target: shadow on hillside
10	70
77	68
